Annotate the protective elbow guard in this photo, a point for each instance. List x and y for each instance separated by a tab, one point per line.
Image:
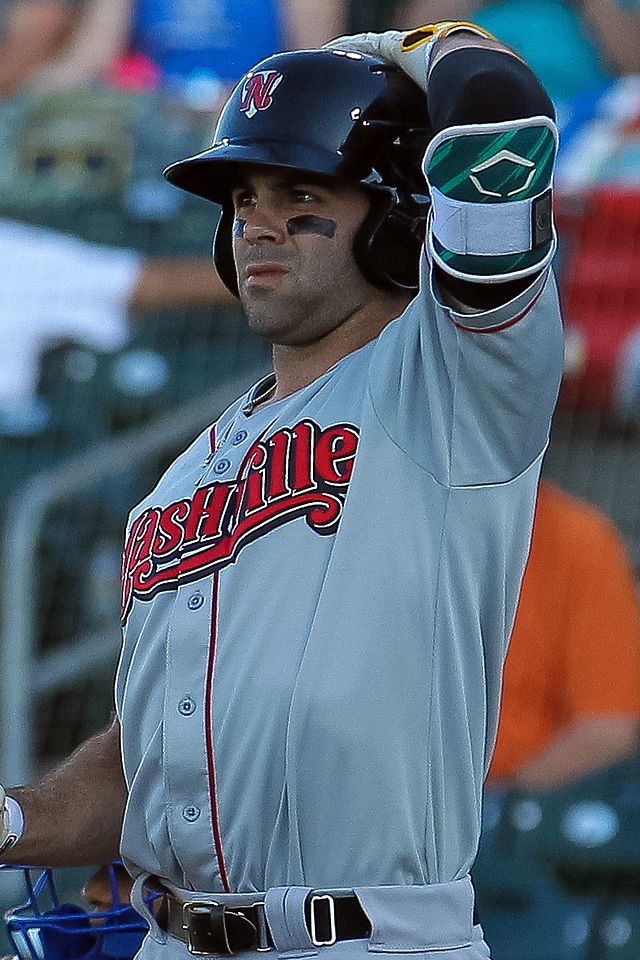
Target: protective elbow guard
490	184
489	167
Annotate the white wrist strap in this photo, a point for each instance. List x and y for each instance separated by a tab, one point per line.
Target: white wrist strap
15	824
483	229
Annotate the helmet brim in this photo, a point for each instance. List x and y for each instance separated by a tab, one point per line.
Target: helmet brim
213	173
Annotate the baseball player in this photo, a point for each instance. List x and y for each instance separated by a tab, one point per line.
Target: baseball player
318	593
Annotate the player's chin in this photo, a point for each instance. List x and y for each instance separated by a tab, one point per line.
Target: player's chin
282	326
265	303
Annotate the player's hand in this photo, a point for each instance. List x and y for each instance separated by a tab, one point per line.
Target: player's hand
411	50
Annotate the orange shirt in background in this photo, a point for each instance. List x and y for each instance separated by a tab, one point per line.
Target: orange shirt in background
575	646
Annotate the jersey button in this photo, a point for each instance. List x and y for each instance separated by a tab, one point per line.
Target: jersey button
239	437
191	813
186	706
195	601
222	466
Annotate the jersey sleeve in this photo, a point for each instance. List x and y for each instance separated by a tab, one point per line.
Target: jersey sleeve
470	397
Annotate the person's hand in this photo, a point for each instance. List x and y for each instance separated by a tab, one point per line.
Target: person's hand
410	50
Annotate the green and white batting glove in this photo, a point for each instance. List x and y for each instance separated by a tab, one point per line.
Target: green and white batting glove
410	50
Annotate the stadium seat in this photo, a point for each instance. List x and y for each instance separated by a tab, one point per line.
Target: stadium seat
591	829
525	912
70	383
615	934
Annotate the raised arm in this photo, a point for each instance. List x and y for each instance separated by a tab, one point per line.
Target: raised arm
489	165
100	35
477	84
479	349
33	34
587	745
73	817
310	23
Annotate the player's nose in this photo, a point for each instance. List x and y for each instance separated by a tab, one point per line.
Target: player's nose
264	224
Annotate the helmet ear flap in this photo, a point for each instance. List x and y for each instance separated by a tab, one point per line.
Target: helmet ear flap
366	251
387	245
223	251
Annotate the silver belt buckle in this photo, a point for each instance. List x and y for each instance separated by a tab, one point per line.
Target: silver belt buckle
331	913
192	908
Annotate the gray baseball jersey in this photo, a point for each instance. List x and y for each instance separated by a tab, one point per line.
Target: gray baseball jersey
317	599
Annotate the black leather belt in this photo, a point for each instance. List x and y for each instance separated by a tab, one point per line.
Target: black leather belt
208	927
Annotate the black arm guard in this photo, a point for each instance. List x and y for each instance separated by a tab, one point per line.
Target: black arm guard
479	85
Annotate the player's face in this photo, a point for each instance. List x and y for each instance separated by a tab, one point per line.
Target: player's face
292	245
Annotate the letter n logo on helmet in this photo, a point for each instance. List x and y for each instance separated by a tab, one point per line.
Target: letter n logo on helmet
257	91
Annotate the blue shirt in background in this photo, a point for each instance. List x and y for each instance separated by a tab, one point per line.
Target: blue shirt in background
222	38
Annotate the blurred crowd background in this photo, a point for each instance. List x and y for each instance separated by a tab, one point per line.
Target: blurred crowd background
118	344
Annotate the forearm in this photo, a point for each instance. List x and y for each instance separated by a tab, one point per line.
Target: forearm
489	163
101	35
617	28
16	66
33	36
310	23
588	745
73	817
178	281
421	11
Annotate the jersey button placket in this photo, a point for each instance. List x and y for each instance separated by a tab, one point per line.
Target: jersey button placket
195	601
186	707
185	763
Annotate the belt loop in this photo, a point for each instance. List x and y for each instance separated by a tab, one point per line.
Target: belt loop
285	909
139	904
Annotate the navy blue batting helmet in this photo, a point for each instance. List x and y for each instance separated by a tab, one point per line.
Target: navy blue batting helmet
336	114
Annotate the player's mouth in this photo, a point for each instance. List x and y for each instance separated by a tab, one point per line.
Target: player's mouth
264	274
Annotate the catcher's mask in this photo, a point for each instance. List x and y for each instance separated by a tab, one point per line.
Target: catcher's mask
43	928
338	114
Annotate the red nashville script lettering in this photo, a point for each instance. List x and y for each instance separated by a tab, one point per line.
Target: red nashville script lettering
302	471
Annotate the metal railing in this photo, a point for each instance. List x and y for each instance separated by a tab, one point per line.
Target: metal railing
24	673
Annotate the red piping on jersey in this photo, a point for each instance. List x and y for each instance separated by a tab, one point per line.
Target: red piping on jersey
501	326
211	768
208	714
